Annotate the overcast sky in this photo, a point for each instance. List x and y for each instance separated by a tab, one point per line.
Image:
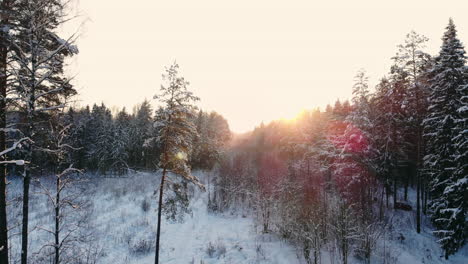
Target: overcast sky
249	60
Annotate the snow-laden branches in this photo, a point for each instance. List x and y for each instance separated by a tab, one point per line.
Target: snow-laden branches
15	145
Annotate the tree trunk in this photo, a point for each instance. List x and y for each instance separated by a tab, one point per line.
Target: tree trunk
418	203
406	185
3	179
394	190
158	231
26	184
419	153
57	222
381	204
418	177
345	253
387	193
426	194
3	218
24	231
29	132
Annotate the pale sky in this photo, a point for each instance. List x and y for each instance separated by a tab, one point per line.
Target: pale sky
249	60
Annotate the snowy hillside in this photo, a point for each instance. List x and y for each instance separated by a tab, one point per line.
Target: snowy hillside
122	229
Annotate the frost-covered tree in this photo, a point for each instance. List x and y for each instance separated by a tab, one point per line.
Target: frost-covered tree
445	128
413	62
141	154
176	131
7	22
353	164
63	200
80	134
343	230
213	135
101	138
4	22
121	141
384	141
39	84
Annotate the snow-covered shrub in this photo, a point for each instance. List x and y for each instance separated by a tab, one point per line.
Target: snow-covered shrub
141	246
210	250
370	233
221	249
217	249
145	205
260	251
176	203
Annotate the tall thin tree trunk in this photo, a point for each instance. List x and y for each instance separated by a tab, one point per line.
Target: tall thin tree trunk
418	203
3	83
57	222
30	129
3	218
158	231
419	144
426	193
407	180
24	231
418	169
26	184
381	204
394	190
394	168
387	193
423	195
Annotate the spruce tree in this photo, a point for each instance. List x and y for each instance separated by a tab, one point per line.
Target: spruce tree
444	128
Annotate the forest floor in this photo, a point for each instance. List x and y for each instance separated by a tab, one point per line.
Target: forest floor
121	223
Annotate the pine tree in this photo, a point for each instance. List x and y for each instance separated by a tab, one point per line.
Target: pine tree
338	110
5	9
121	142
176	128
385	136
80	135
141	129
37	67
354	163
213	134
444	128
361	109
413	62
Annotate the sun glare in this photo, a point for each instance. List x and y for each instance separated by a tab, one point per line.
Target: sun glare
181	155
293	117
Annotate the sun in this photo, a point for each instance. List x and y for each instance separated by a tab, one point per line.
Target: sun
181	155
294	116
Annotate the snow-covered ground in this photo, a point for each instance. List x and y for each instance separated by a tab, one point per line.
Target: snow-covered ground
124	232
231	237
121	228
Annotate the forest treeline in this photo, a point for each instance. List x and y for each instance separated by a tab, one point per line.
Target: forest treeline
113	144
331	179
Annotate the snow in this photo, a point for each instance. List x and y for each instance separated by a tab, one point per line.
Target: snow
19	162
123	228
123	232
188	241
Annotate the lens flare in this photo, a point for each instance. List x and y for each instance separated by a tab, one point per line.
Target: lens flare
181	155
